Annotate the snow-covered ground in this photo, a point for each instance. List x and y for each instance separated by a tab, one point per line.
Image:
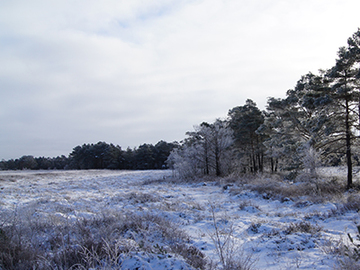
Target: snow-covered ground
274	234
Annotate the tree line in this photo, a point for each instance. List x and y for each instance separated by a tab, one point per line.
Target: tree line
99	156
317	123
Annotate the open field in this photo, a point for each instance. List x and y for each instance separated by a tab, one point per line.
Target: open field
148	220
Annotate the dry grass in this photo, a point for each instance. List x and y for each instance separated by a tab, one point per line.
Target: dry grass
231	255
102	242
275	187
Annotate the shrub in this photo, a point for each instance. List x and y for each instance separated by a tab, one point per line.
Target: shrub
347	252
353	249
302	227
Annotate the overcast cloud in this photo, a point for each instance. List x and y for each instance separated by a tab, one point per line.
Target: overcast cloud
133	72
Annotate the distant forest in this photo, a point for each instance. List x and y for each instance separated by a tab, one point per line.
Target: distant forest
316	124
99	156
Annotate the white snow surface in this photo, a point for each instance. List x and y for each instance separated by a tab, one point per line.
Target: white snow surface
259	224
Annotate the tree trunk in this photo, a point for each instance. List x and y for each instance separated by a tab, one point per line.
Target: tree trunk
207	171
348	146
217	157
260	162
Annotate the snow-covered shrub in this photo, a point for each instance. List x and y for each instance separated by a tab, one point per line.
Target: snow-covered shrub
353	249
303	227
249	206
254	227
139	197
192	255
310	160
347	251
352	203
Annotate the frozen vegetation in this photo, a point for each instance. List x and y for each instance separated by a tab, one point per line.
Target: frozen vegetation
102	219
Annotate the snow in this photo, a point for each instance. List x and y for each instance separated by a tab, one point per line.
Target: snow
275	234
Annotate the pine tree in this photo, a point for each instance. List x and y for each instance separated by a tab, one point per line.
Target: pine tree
299	123
245	121
344	95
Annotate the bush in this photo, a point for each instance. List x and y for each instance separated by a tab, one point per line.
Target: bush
303	227
347	252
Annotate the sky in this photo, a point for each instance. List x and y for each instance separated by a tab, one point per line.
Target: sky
133	72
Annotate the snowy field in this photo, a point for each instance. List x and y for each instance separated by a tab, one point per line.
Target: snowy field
253	229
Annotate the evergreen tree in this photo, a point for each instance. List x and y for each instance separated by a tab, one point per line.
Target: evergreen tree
27	162
345	82
162	150
245	121
299	123
354	53
144	157
280	140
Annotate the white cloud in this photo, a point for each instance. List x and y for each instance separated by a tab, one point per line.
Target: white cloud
130	72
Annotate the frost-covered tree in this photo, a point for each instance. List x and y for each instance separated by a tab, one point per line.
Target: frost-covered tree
204	152
310	159
221	138
200	141
185	161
